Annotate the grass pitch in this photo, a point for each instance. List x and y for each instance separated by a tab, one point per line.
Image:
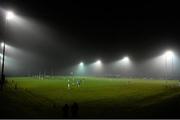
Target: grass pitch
97	97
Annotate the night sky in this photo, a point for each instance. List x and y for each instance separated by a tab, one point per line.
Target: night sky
90	30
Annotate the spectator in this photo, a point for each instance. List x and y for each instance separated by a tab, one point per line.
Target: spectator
65	110
74	109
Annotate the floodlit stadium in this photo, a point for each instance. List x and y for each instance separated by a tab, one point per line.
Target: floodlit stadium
98	94
66	59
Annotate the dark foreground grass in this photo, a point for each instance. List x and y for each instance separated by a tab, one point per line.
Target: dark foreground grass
96	97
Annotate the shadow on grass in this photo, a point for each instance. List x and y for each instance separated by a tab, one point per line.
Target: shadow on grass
20	103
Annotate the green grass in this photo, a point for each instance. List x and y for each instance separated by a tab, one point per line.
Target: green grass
97	97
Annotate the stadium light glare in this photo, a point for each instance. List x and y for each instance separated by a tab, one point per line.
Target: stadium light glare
98	62
81	64
9	15
2	44
125	59
169	63
169	54
80	70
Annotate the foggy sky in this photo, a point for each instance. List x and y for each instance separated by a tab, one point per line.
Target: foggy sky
56	35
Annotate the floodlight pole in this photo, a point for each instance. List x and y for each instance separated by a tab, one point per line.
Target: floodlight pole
3	58
172	68
166	67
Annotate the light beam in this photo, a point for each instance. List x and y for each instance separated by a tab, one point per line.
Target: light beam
9	15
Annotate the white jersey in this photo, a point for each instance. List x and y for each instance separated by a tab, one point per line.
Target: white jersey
68	86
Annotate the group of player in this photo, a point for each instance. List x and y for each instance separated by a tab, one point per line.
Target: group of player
73	82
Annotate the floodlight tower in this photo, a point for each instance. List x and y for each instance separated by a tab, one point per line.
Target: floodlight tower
80	68
168	59
9	15
125	62
2	46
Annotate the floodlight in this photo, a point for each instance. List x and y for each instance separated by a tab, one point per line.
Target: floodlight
2	44
81	64
125	59
169	54
9	15
98	62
